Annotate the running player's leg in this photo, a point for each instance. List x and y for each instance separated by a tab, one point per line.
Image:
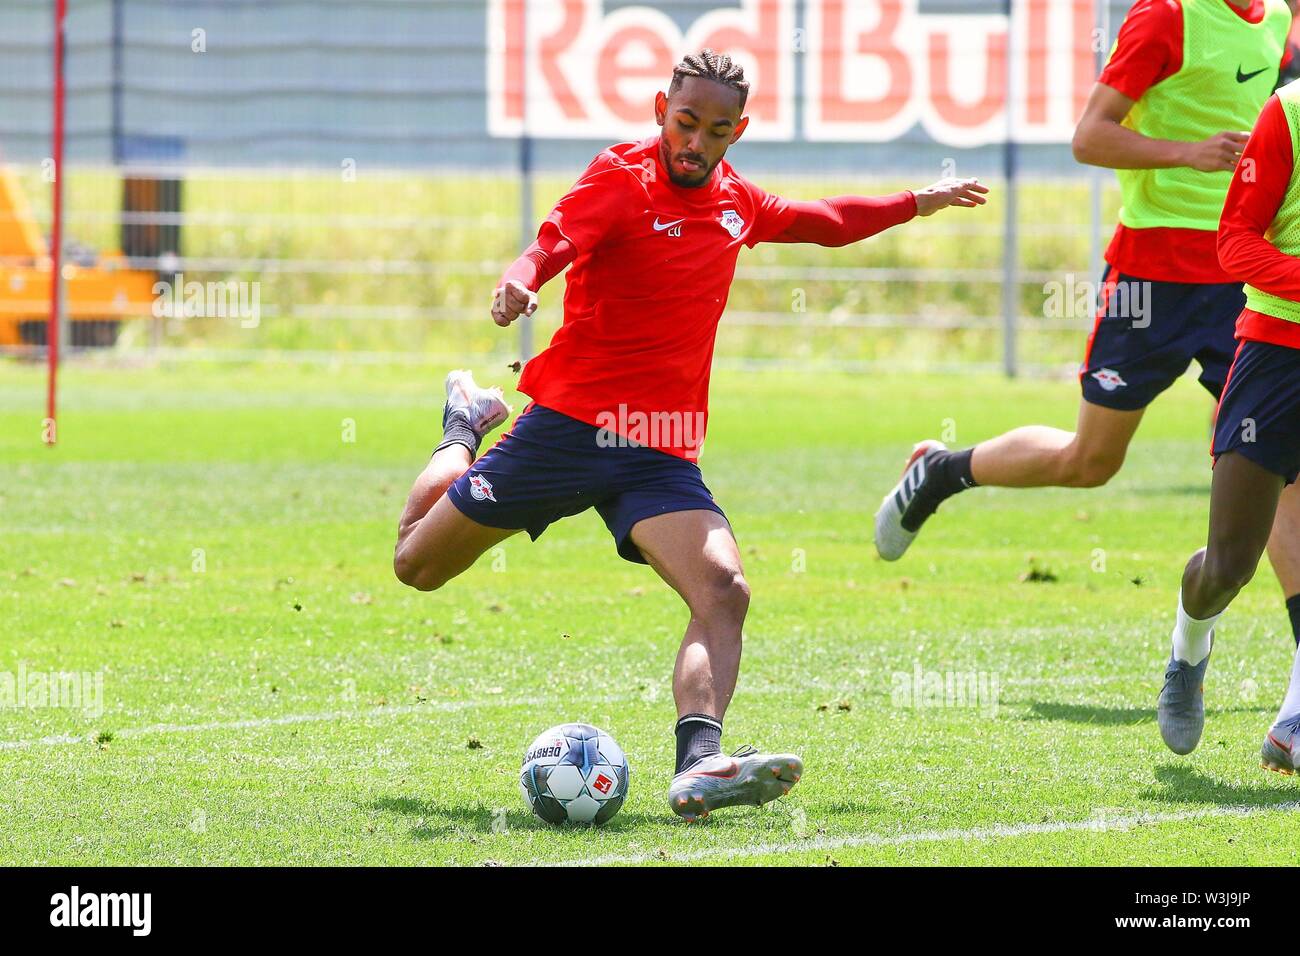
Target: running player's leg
1145	335
1257	452
696	554
1032	456
1216	359
1284	553
1036	456
1243	500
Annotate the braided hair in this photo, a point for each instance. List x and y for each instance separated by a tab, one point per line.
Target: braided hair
709	65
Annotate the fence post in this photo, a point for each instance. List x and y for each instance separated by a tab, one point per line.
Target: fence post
525	183
1101	22
116	94
1010	245
56	328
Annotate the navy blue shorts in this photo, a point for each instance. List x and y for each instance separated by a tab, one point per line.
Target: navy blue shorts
550	466
1146	334
1259	414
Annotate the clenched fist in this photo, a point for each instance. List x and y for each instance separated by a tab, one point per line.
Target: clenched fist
512	300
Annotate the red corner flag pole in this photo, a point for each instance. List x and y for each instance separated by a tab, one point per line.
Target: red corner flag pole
56	240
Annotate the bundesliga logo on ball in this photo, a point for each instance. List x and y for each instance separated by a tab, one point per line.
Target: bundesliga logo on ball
574	773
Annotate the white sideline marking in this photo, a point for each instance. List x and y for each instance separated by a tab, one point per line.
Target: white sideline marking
57	740
254	722
1099	824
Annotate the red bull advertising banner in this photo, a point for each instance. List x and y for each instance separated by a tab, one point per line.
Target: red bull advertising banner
873	70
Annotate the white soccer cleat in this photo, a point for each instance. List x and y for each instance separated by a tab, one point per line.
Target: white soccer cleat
1279	750
483	408
892	539
746	778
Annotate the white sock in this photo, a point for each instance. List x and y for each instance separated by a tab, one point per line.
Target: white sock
1192	637
1291	705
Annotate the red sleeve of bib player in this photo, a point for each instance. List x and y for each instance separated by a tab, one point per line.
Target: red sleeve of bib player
1259	185
1149	48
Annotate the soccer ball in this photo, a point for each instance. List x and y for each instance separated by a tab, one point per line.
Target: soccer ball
574	773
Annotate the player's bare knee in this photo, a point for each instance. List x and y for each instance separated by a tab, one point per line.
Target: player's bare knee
724	600
1091	470
416	574
1228	570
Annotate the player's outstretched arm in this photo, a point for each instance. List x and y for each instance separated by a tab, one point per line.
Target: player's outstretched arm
841	220
516	293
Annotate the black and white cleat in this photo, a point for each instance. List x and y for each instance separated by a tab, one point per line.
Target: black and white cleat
904	509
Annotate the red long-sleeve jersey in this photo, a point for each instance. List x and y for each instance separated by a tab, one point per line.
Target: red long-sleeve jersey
652	265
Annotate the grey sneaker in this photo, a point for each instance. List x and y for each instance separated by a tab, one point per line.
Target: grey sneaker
1278	753
485	408
1180	712
894	532
746	778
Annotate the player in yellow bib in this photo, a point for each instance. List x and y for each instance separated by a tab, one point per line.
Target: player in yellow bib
1169	112
1257	428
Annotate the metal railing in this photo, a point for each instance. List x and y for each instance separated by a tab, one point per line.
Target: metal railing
405	261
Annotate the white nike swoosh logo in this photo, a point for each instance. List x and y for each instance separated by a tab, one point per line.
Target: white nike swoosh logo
660	227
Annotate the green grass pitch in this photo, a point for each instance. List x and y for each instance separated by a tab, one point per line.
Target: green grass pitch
209	541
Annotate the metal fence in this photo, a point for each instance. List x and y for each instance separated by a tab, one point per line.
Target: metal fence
369	168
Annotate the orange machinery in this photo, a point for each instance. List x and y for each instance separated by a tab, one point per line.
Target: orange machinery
100	289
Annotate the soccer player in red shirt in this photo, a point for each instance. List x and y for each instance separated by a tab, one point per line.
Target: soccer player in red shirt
620	397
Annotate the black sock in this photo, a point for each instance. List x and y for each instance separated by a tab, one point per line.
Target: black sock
698	735
946	473
456	430
952	471
1293	609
